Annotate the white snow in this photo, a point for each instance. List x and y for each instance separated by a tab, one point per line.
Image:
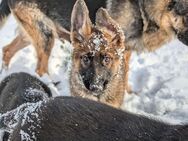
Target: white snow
160	79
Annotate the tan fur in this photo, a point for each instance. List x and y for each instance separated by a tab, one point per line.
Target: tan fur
114	93
127	57
28	17
150	41
112	96
9	51
166	20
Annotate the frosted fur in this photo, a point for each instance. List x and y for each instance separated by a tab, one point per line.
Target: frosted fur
11	119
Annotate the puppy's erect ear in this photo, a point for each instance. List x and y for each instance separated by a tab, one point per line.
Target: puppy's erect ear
80	22
104	21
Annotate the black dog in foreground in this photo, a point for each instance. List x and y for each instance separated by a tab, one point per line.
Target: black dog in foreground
76	119
19	88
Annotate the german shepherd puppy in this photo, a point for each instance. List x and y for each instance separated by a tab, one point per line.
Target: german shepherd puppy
98	65
19	88
147	24
77	119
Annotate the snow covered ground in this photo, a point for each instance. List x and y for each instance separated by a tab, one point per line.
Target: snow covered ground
160	79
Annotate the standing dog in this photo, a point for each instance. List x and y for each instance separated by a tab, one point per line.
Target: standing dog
76	119
41	22
98	65
147	24
19	88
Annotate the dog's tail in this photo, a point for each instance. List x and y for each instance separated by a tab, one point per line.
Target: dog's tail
4	12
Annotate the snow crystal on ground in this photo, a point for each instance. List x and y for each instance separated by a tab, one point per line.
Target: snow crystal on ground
159	79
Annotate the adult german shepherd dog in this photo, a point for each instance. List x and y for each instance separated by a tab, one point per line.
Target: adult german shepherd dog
98	65
78	119
19	88
147	24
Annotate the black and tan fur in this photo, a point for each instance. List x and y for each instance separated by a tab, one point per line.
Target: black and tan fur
76	119
98	65
147	24
41	22
150	24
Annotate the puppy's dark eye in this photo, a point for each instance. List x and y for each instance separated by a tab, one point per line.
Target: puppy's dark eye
85	59
107	59
171	5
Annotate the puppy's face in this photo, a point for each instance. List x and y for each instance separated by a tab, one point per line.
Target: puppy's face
177	17
97	60
98	50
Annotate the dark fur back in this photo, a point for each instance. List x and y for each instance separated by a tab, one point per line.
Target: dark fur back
60	10
63	12
135	27
76	119
19	88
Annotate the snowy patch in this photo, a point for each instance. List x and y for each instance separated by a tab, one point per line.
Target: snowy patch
160	81
96	41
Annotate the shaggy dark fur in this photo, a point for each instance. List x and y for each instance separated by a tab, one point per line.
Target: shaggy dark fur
76	119
19	88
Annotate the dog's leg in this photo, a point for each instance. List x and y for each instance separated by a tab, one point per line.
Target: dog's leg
10	50
127	57
43	41
43	57
41	31
154	40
